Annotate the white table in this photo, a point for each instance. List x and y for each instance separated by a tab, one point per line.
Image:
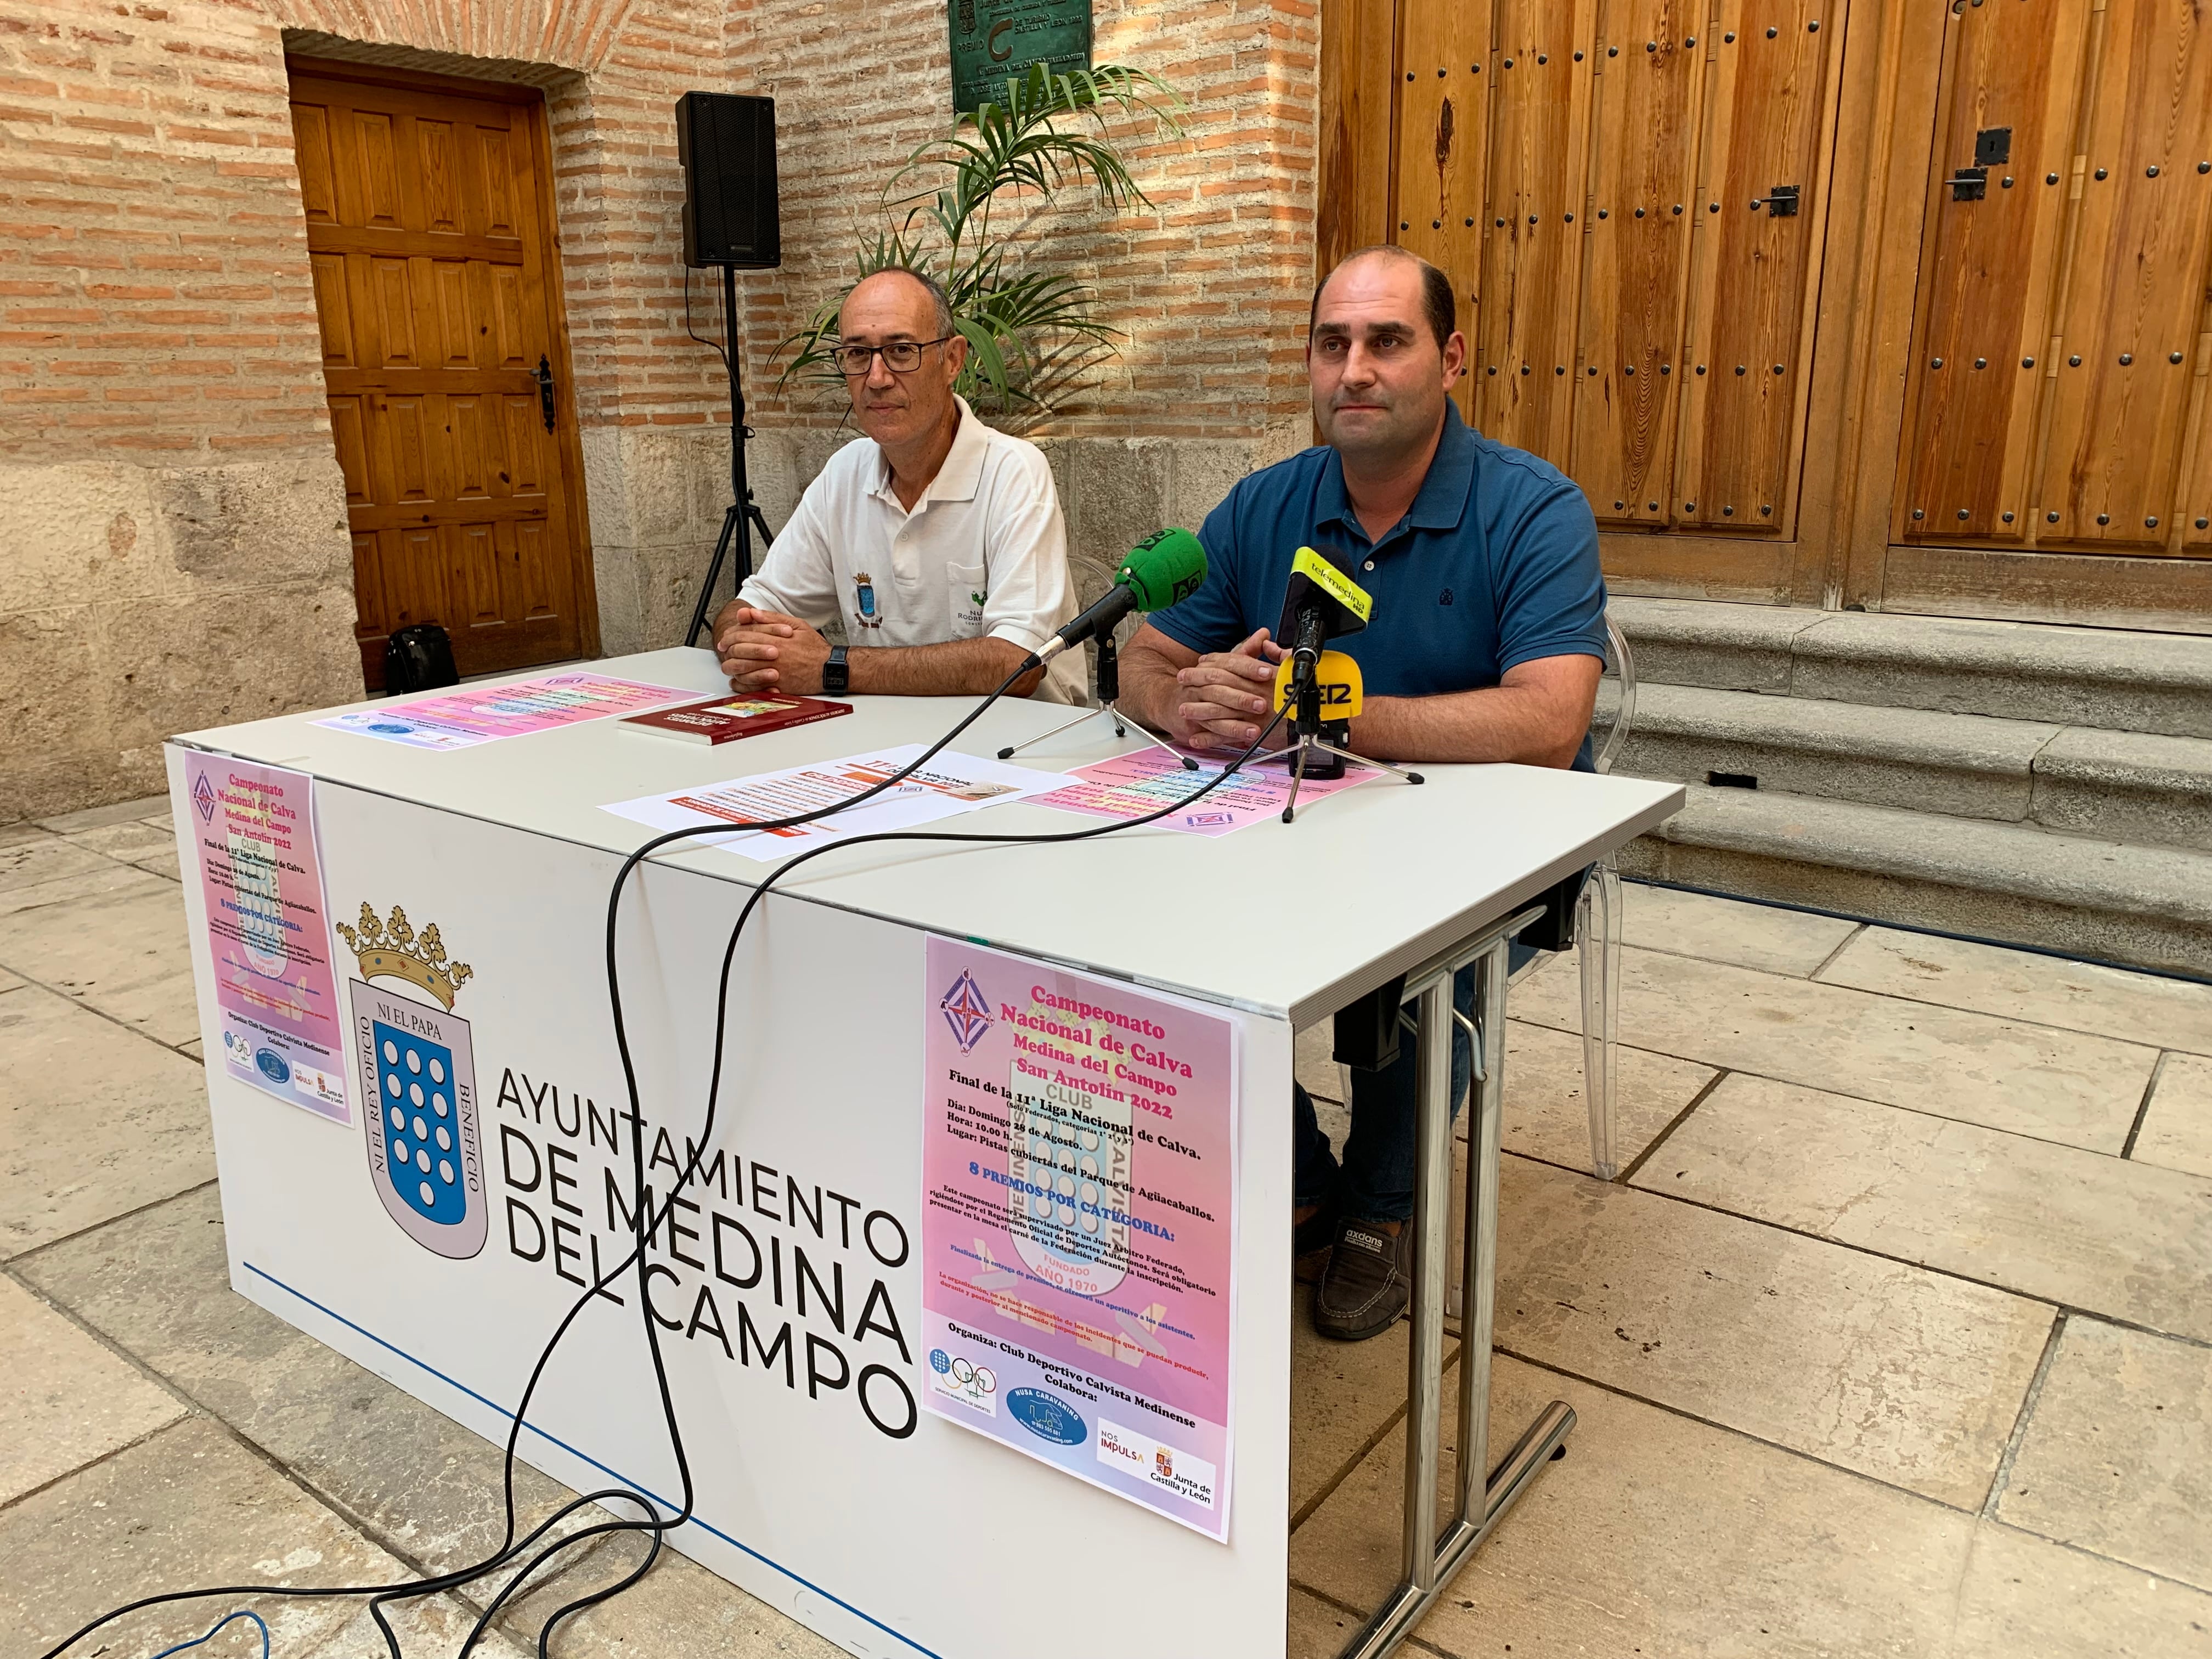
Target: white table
925	1545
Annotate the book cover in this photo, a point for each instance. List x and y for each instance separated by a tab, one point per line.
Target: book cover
725	719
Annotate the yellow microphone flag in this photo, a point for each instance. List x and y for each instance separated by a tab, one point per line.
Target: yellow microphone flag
1338	676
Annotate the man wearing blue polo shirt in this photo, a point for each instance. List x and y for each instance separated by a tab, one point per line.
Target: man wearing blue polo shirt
1486	642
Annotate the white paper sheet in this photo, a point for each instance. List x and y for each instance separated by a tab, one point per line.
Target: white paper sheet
949	785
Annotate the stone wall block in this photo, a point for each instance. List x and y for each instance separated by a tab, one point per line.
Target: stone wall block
257	523
1119	489
76	535
216	658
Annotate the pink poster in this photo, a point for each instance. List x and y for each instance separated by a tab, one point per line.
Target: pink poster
463	718
1140	783
1079	1184
253	835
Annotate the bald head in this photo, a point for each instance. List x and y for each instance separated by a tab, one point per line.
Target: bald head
1439	306
897	285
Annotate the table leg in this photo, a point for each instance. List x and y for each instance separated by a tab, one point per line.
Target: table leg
1483	1494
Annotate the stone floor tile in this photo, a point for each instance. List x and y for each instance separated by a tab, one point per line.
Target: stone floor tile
98	817
157	1285
2081	996
1665	1538
94	1120
1318	1631
9	982
1763	936
1342	1396
191	1506
191	1049
2022	1598
166	864
122	951
2113	1236
132	839
678	1611
35	859
2177	1129
436	1625
2031	1079
1654	1536
1904	1374
2118	1457
64	1399
1545	1113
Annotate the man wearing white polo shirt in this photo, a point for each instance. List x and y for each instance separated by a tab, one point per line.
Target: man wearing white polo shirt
937	540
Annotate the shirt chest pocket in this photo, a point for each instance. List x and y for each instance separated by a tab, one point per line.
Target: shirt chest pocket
966	593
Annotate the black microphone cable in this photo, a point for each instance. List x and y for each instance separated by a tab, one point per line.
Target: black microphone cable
647	1223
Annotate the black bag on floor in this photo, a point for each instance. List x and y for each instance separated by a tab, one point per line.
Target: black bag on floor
418	658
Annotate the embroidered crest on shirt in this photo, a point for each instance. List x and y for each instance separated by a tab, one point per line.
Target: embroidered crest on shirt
864	600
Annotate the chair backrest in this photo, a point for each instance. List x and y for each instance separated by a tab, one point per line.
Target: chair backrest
1622	663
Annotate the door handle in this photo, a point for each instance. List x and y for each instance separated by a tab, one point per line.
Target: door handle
545	389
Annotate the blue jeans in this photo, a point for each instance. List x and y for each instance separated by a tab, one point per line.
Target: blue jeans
1375	1181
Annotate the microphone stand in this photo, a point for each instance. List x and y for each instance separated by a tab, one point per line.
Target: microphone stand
1110	695
1313	737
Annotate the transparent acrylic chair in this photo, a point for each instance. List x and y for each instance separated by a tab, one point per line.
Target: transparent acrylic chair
1597	928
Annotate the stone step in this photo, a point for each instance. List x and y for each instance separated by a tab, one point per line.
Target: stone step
2117	786
2019	883
2148	683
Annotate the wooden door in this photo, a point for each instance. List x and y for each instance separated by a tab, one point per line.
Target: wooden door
1598	177
429	232
2056	387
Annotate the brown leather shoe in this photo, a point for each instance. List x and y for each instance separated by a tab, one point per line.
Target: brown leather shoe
1367	1284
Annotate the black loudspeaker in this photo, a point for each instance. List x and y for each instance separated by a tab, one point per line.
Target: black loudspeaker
726	145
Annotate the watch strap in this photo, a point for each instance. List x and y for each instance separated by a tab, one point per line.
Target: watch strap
836	674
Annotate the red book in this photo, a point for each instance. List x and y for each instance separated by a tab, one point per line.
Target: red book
725	719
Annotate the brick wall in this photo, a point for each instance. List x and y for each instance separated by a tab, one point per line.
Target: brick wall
172	549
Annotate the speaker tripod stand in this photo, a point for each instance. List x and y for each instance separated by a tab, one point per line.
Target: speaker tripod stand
1110	695
743	515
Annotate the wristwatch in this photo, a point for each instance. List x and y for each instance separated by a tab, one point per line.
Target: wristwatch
836	674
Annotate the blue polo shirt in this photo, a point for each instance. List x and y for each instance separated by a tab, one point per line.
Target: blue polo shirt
1495	564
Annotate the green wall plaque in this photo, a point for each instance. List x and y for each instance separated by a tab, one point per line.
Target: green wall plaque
993	40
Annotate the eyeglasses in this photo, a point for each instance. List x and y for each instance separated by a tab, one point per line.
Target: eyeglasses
900	357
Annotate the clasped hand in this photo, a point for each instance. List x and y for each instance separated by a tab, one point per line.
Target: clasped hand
768	650
1225	697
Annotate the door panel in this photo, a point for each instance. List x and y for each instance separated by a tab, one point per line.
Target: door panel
1443	122
1532	263
1752	276
1647	98
430	253
1987	270
1359	97
2136	297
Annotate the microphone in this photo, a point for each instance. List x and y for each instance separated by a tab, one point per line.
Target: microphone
1321	603
1168	565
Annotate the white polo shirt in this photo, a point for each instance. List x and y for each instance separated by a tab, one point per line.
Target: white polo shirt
982	555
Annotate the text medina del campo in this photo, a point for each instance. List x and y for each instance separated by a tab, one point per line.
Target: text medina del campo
1040	1034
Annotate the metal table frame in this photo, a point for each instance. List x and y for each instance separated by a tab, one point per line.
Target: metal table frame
1431	1558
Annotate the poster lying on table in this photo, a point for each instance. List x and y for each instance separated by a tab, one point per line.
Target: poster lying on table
1078	1185
484	713
1138	784
951	784
253	839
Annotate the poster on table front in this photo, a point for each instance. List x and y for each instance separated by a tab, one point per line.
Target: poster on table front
276	992
1078	1182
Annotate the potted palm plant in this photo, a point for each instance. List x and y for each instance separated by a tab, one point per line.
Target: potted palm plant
1033	335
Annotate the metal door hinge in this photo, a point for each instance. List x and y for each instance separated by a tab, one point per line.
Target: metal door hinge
1780	202
1970	183
546	391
